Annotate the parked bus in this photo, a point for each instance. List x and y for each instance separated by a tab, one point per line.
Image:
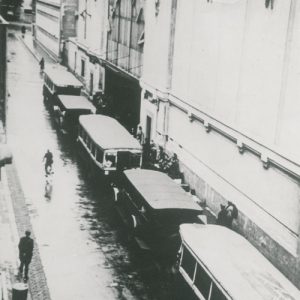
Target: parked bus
68	110
153	206
216	263
108	144
59	81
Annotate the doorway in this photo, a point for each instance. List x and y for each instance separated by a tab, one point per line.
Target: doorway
91	83
148	128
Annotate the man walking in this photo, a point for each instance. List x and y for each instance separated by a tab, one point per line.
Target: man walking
48	158
25	253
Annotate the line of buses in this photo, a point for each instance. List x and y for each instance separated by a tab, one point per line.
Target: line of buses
214	263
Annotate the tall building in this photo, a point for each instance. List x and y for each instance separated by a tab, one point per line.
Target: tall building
220	87
87	51
3	57
107	55
55	23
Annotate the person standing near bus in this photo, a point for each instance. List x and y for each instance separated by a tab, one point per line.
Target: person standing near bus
222	218
23	30
42	64
140	135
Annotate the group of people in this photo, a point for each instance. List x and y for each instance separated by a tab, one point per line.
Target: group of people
227	214
157	157
168	164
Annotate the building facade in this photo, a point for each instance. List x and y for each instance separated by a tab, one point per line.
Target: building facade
220	88
87	51
55	22
124	60
3	57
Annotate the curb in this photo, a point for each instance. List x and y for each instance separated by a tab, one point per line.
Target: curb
14	230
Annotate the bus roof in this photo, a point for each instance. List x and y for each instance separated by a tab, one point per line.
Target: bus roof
108	133
159	190
71	102
60	76
237	265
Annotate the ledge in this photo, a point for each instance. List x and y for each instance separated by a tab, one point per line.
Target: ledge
266	153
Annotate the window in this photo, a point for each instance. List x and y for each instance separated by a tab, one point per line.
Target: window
83	135
110	160
202	281
217	294
99	156
82	67
140	16
93	149
141	39
188	263
90	144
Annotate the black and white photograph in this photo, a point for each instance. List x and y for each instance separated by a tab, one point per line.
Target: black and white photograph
149	150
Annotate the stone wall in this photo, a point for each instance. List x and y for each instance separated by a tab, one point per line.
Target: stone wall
282	259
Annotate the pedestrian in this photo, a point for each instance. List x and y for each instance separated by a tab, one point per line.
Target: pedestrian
48	158
222	218
140	135
153	152
231	213
25	253
173	167
146	153
23	30
42	64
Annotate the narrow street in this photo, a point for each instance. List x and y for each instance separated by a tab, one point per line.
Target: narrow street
81	242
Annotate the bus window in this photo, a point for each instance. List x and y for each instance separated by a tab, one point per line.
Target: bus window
90	144
87	140
99	156
93	149
110	160
217	294
188	263
84	137
202	281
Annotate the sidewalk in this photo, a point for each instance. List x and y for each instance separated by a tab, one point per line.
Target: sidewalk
14	220
8	241
35	49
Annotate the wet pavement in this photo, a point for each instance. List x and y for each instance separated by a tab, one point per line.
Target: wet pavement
83	248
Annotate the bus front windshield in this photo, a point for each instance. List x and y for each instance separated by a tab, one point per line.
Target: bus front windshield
110	160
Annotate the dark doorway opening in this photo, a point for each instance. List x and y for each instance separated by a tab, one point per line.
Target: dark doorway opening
148	128
123	95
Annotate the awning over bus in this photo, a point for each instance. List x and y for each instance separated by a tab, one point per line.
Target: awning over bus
61	77
233	262
108	133
159	190
70	102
